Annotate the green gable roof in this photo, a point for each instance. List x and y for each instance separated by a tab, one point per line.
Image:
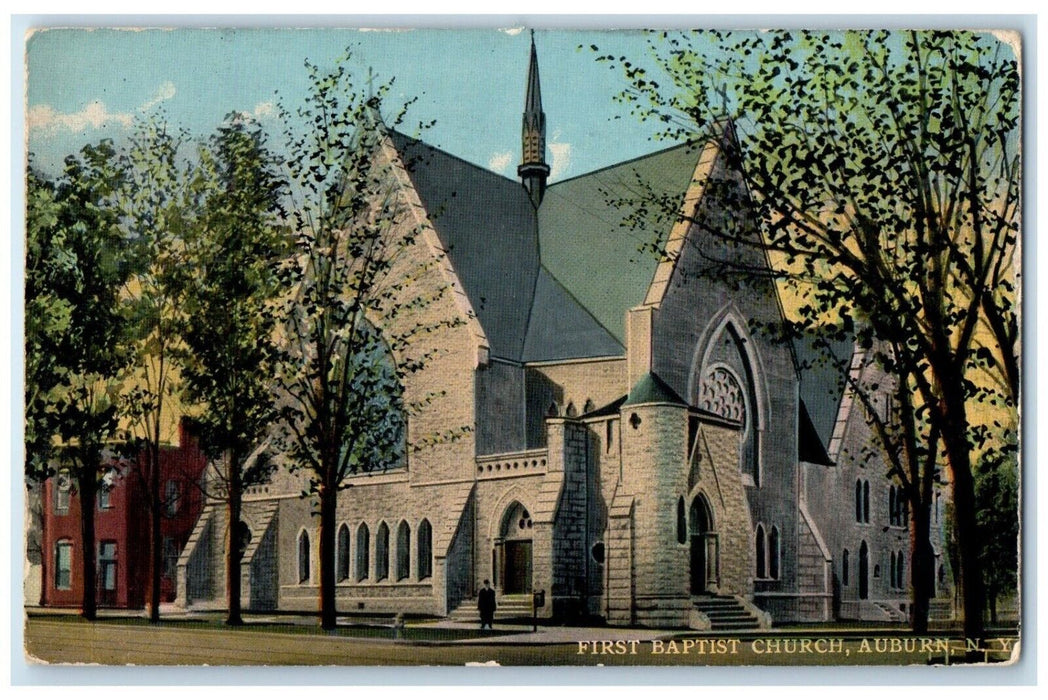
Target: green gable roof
487	224
556	284
584	244
560	328
651	389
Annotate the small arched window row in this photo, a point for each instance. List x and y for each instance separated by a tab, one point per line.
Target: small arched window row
400	553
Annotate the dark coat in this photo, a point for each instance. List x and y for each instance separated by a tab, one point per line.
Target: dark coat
486	600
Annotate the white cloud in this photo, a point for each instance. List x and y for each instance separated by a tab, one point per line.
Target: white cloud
561	153
264	109
164	92
94	115
500	160
512	31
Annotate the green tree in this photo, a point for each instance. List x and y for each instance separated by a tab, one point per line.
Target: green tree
885	168
353	320
76	268
997	501
157	209
47	317
232	256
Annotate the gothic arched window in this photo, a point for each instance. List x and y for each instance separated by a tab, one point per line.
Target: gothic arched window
727	388
773	552
759	546
303	557
682	522
403	551
363	552
342	561
382	552
425	550
378	422
722	395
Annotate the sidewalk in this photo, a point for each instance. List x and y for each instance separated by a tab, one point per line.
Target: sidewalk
548	635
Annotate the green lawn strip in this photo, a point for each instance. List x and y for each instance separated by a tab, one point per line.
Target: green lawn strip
292	626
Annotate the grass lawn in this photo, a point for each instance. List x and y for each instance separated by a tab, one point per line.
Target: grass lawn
296	625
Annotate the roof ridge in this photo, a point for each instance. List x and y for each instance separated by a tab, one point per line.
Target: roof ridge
659	152
451	155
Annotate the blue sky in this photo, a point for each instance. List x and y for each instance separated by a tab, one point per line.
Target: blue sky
84	85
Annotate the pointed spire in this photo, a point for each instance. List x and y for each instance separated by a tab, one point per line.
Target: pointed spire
533	169
533	101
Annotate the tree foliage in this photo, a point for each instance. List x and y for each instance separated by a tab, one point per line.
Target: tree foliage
47	316
352	321
885	168
75	335
230	326
997	501
157	211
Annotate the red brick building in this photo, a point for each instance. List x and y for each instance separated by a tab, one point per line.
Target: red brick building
121	531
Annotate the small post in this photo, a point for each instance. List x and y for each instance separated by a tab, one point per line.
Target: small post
538	599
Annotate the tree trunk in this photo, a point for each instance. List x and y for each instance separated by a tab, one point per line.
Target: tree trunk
965	526
88	488
328	501
234	553
922	567
155	536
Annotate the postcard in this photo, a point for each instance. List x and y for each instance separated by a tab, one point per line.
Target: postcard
522	347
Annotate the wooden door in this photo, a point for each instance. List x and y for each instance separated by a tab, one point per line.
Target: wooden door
517	574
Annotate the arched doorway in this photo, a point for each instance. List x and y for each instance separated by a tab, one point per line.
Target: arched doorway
705	551
513	550
864	571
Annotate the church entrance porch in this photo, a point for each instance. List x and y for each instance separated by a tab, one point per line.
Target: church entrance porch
513	551
705	548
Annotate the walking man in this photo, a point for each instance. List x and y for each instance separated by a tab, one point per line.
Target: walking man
486	605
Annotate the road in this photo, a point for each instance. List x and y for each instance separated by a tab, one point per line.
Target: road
60	641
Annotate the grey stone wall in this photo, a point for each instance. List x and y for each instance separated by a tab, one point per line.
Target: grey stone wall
653	457
703	297
199	573
618	567
830	496
456	567
715	475
263	570
571	527
580	384
500	408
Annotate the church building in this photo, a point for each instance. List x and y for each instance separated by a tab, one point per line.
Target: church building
638	449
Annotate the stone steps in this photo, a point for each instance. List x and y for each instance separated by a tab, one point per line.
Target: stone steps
509	607
892	613
726	614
